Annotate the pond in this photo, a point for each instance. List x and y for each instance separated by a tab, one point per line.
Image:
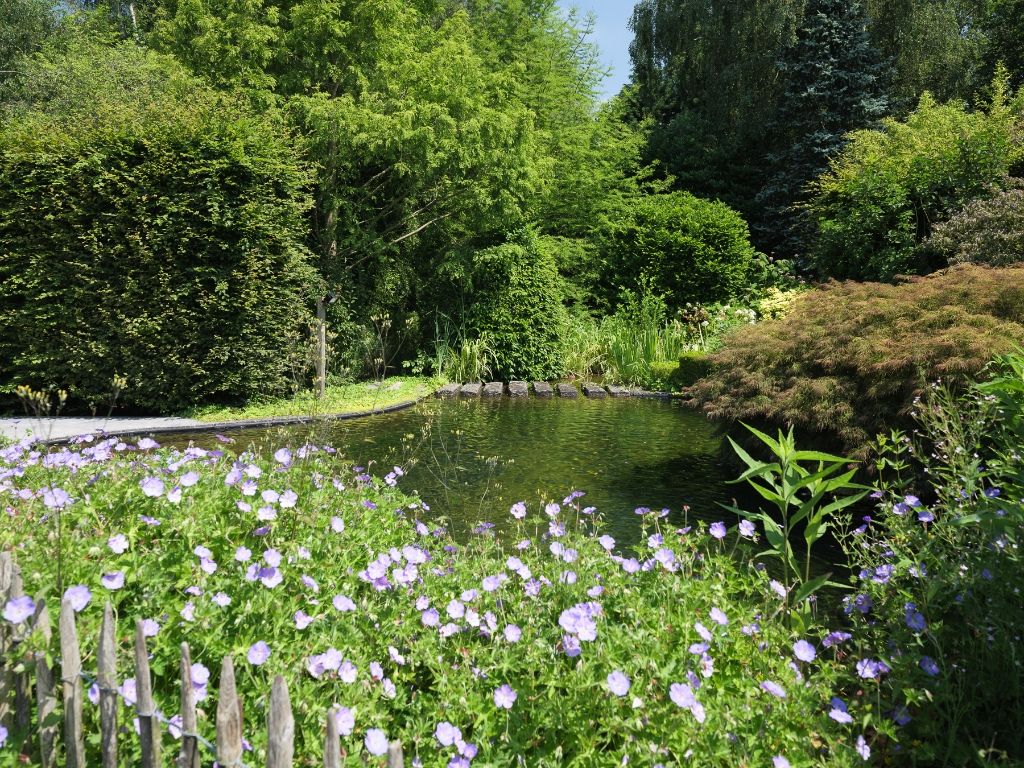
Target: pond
470	460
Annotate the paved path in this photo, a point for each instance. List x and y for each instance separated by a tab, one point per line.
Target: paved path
55	429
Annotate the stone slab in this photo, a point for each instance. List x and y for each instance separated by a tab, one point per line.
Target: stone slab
543	389
494	389
518	389
567	390
471	390
449	390
594	390
616	391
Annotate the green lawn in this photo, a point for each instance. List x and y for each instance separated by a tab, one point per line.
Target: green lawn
349	398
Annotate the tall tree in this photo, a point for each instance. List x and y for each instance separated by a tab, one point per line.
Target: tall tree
705	73
835	83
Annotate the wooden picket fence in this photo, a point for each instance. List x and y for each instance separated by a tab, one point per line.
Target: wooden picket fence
17	698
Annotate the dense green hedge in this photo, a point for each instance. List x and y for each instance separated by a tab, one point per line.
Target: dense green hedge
517	305
157	237
678	246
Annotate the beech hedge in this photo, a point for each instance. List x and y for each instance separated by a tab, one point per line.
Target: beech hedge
149	229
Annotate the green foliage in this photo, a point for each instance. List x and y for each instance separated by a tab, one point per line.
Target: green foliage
564	714
803	487
148	228
835	83
640	340
989	230
941	573
849	359
706	76
517	305
888	187
691	368
686	249
27	24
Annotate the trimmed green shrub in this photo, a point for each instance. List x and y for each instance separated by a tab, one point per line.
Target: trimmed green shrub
850	358
888	187
517	305
679	246
663	374
986	231
150	229
692	367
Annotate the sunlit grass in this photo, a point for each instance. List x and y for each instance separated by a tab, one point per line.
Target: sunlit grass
347	398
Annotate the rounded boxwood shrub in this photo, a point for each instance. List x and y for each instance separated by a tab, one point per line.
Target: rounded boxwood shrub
149	229
685	248
850	358
517	305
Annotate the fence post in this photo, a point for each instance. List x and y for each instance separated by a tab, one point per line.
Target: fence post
332	742
188	757
18	634
107	678
149	727
280	727
229	717
395	757
46	702
6	634
71	684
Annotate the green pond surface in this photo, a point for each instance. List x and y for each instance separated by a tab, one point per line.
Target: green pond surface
470	460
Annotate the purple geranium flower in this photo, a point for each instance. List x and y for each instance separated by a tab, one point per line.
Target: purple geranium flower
504	697
112	581
79	597
773	688
258	654
618	683
376	742
804	651
717	530
18	609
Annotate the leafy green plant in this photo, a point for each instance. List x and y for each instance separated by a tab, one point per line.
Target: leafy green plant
171	252
807	489
887	187
679	246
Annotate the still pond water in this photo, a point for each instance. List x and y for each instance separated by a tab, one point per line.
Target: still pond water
471	460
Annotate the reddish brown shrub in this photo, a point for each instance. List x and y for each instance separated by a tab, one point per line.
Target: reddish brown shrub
850	358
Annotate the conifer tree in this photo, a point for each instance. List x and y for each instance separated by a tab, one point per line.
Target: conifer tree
836	84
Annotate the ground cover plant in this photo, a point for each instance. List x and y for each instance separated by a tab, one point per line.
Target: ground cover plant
849	358
547	646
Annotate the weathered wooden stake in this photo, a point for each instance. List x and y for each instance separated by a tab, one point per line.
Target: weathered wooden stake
188	757
46	704
229	717
332	742
71	685
395	757
106	660
280	727
149	726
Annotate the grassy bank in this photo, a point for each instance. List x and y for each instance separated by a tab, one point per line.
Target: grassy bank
343	399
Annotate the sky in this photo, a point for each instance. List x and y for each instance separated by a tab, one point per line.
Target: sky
612	36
